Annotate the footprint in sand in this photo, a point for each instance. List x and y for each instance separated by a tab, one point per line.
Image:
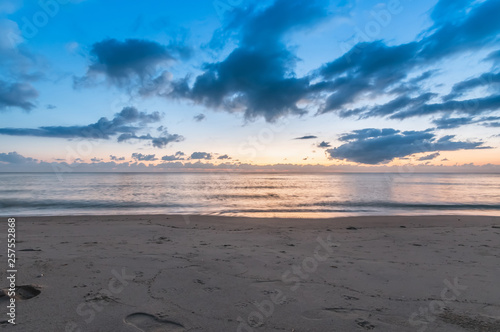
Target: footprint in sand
149	323
27	292
365	324
24	292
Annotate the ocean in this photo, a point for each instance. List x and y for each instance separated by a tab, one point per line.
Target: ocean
254	195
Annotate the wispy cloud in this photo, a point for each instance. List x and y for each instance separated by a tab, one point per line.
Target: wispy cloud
126	124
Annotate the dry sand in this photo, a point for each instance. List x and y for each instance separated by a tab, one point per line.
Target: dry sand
172	273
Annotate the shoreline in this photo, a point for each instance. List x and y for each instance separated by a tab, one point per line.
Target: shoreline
371	221
211	273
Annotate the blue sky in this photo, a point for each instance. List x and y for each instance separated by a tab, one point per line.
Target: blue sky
247	85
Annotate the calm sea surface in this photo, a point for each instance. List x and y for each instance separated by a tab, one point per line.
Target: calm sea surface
263	195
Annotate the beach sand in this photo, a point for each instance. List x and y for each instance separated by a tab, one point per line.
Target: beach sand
210	273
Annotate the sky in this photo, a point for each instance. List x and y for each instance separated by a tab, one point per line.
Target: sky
243	85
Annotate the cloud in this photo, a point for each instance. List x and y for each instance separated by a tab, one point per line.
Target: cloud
115	158
19	95
96	160
367	133
451	123
201	155
324	145
143	157
447	122
125	124
429	156
224	157
199	117
474	106
163	141
19	67
372	69
132	62
62	167
15	158
102	129
367	67
177	156
486	79
375	146
399	104
257	77
494	57
307	137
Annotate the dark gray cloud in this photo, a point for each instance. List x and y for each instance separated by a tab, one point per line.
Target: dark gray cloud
494	57
486	79
257	77
163	141
199	117
461	30
102	129
447	122
324	145
115	158
375	146
307	137
143	157
179	155
132	62
367	133
201	155
399	104
15	158
373	68
19	67
429	156
20	95
367	68
451	123
126	124
224	157
474	106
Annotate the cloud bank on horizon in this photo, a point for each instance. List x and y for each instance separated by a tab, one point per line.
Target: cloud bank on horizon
399	88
